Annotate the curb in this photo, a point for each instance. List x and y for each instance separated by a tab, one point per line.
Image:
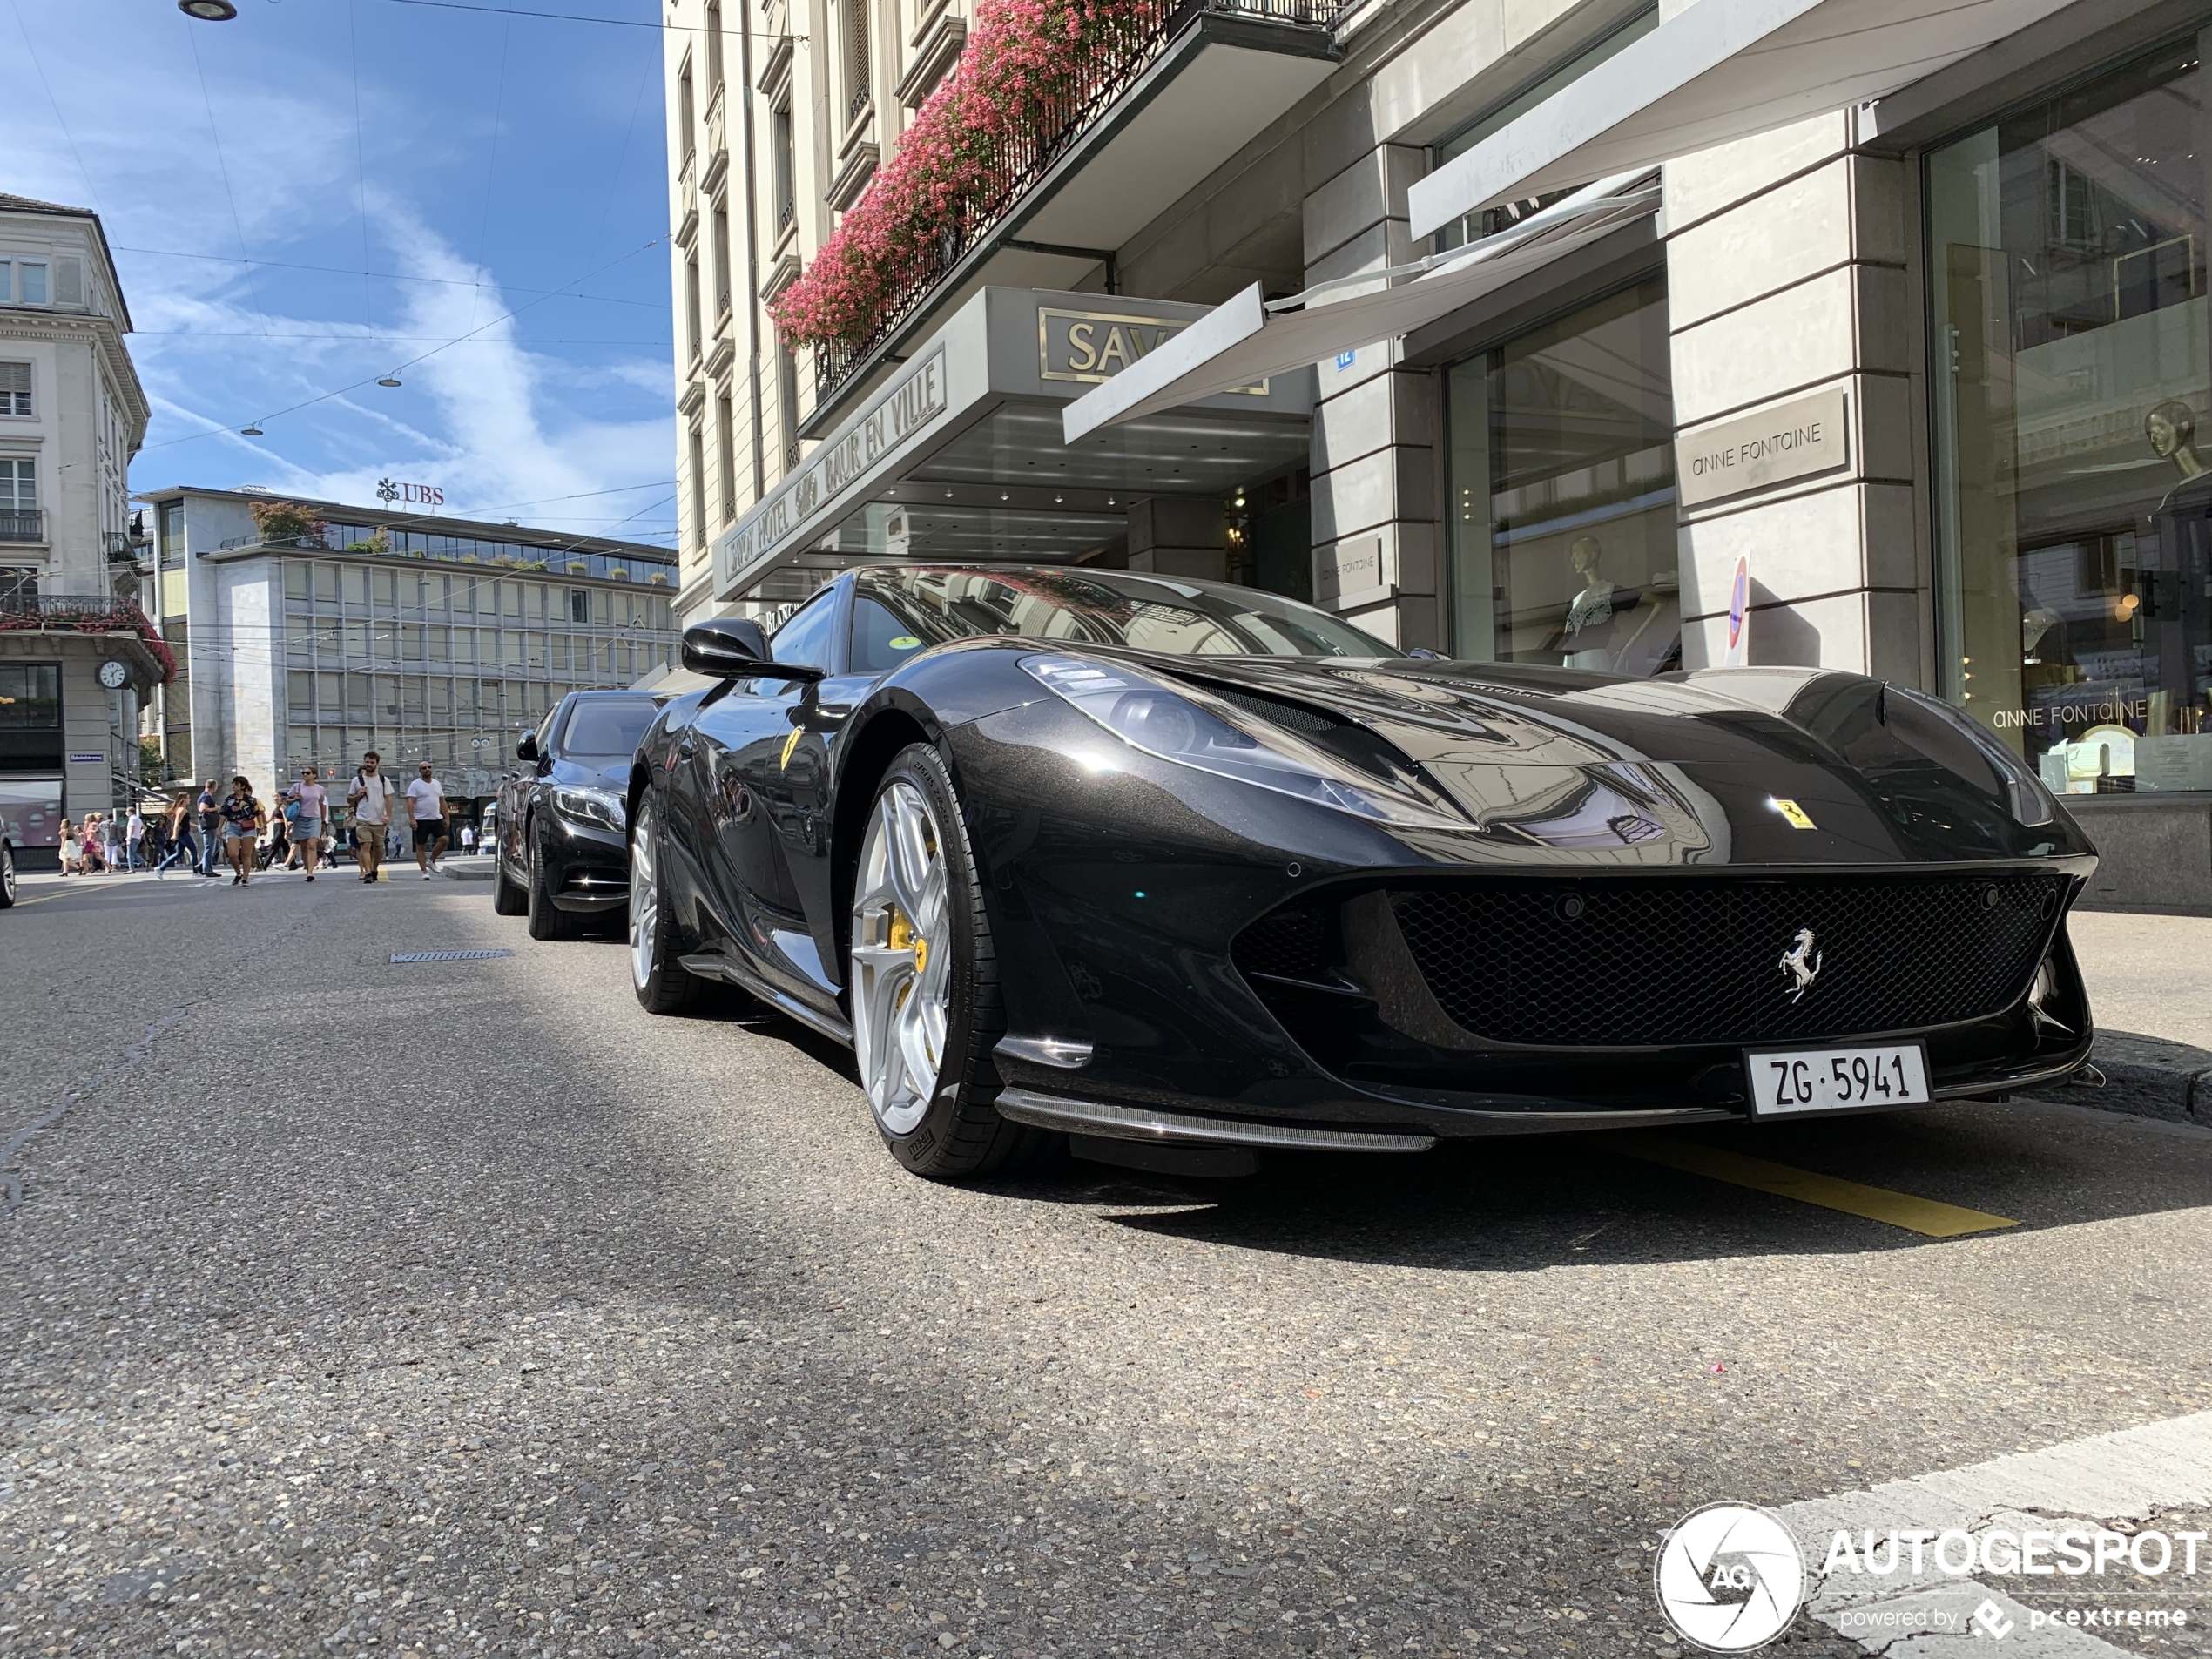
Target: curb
2148	1077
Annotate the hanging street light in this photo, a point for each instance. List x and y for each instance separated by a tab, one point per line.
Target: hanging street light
253	431
208	11
389	380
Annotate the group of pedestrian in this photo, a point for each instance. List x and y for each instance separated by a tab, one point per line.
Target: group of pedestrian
232	824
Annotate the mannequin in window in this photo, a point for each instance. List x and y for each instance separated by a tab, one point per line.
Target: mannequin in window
1589	632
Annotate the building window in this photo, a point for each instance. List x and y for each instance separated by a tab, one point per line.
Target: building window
725	455
2071	368
787	400
32	283
721	261
687	114
856	58
784	157
713	47
698	495
695	334
1562	482
18	485
14	389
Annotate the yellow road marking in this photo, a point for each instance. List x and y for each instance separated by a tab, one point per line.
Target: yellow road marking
1927	1215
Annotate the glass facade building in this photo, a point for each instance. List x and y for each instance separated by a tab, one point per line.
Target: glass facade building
443	641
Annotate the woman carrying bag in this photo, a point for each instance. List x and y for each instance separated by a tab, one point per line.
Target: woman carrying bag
243	822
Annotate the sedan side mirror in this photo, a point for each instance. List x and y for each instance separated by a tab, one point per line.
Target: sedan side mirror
526	746
729	648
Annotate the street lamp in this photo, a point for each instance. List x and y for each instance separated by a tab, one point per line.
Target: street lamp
253	431
389	380
208	11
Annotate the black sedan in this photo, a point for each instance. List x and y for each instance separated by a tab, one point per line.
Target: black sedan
1181	870
559	852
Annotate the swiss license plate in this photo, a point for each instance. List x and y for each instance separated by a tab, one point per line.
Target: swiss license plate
1790	1081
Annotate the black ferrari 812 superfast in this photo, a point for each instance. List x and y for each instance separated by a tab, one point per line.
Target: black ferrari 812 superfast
1184	871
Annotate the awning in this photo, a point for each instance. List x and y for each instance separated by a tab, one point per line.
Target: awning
1242	341
1720	70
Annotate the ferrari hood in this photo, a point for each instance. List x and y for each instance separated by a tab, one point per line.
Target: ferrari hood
1761	764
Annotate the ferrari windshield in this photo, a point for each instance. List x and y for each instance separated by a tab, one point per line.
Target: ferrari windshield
898	612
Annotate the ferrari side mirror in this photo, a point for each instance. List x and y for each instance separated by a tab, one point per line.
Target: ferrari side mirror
728	648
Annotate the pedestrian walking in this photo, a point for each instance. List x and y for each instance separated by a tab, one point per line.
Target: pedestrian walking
92	845
182	847
210	808
370	796
428	797
243	819
468	838
134	837
72	849
311	807
280	842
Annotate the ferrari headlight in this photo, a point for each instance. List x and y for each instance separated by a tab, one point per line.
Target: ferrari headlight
600	807
2030	802
1148	715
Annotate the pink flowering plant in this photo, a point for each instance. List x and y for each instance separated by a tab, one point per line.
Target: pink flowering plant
1022	84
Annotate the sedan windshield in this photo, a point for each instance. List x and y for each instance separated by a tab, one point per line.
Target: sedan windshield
897	613
607	728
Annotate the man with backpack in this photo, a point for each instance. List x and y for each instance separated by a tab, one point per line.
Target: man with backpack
370	796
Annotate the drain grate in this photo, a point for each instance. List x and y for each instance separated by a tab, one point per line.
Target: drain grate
447	956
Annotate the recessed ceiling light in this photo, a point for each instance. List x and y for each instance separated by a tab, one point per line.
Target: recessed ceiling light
208	11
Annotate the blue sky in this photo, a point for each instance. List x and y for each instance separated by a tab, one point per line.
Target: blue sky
493	158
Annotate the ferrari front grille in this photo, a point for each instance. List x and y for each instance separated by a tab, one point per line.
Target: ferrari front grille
1725	961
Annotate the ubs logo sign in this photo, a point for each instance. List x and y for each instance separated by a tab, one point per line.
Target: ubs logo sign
414	495
1095	346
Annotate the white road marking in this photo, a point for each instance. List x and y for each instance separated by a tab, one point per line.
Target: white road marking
2129	1474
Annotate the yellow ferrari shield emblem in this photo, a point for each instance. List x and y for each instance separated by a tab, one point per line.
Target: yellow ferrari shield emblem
1792	814
792	743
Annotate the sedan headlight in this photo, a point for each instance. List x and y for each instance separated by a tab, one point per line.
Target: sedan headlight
600	807
1175	726
2031	803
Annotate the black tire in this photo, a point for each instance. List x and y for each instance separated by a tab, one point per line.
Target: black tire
663	984
507	899
547	919
7	875
960	1136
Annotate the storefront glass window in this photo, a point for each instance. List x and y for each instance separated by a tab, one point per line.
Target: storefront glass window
1562	482
2073	404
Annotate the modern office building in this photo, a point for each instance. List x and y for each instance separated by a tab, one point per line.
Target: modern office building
77	655
308	631
1623	336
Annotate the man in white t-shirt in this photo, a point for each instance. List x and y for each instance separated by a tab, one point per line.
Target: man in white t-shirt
370	799
428	796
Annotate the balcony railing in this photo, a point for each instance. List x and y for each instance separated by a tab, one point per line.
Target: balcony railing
22	524
1019	162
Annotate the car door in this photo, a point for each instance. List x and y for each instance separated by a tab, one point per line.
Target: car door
749	799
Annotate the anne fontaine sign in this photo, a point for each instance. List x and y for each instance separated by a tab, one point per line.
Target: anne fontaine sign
1800	439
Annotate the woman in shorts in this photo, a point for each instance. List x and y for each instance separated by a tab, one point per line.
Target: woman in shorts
313	802
243	822
72	850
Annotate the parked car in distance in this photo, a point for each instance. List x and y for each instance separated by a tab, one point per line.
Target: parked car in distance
559	850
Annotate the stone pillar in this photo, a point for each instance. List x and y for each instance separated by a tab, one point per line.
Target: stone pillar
1374	424
1792	308
1179	535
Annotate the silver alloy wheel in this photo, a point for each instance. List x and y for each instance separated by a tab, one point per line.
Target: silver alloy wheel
7	875
645	897
902	958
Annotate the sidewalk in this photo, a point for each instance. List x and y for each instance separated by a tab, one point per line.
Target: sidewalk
2150	989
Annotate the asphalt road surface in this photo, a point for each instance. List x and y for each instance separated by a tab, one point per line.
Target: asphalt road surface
362	1308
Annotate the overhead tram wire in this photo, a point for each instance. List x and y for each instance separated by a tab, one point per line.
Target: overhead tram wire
388	276
575	17
371	379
